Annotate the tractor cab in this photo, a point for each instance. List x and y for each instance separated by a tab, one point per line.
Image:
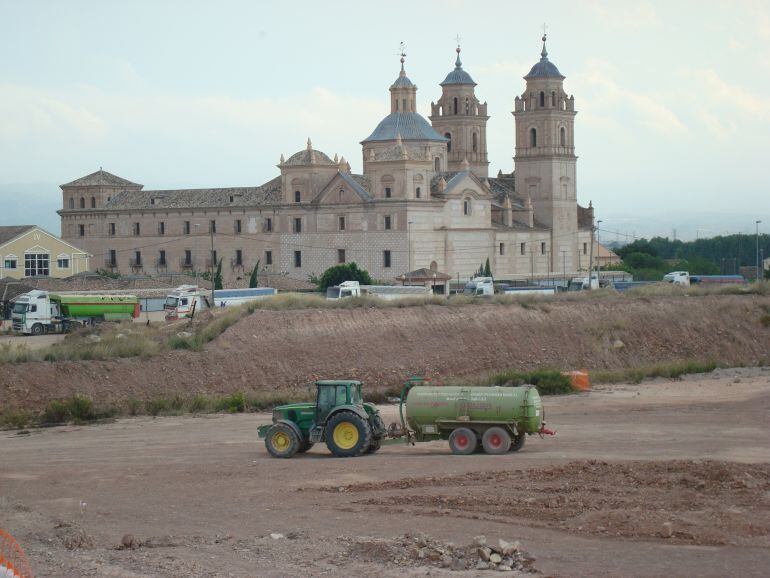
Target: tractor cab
339	417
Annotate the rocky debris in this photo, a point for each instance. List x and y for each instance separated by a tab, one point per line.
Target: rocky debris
412	550
129	542
666	530
72	536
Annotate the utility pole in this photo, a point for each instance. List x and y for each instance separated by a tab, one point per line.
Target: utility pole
598	250
757	224
591	257
211	234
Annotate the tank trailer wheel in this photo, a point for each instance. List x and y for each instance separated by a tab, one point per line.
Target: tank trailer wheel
304	446
496	441
282	441
37	329
518	442
463	441
348	435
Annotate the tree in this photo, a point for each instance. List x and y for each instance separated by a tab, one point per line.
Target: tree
218	276
253	280
344	272
487	269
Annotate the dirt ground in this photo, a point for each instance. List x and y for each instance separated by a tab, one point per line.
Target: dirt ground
292	348
664	478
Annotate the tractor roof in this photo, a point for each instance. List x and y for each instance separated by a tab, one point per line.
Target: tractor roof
337	382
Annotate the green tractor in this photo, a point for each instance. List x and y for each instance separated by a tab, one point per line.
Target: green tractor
339	417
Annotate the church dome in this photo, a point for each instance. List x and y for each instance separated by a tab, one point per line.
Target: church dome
409	125
545	68
402	81
309	156
458	75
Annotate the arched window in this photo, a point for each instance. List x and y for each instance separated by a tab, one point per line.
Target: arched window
437	165
467	105
533	137
455	105
563	137
93	202
542	99
467	207
553	98
448	136
72	203
82	203
475	142
297	197
417	193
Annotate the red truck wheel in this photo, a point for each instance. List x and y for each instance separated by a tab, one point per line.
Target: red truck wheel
463	441
496	441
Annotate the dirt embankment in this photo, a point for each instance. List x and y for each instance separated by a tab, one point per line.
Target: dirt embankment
280	349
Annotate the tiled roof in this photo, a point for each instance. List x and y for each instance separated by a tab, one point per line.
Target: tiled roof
458	75
402	81
101	178
267	194
11	232
410	125
359	183
545	68
11	288
502	187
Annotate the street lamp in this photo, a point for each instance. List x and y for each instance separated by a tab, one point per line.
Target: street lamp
758	270
598	254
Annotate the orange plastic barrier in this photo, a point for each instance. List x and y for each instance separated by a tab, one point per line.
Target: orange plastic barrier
579	379
12	558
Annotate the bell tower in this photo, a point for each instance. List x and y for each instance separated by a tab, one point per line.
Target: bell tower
460	118
545	158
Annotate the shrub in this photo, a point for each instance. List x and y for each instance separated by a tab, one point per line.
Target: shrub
134	406
81	408
344	272
199	403
547	381
235	403
765	320
16	419
155	407
55	412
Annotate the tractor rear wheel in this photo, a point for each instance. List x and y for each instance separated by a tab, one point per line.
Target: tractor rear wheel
463	441
282	441
496	441
518	442
348	435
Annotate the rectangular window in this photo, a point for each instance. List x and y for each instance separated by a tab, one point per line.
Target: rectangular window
340	255
113	260
162	258
36	265
138	258
268	224
81	230
10	264
387	222
186	228
542	248
523	247
297	197
502	248
585	248
212	226
238	227
298	258
63	263
297	225
342	223
417	193
268	257
188	257
161	228
137	229
238	257
112	229
387	192
386	259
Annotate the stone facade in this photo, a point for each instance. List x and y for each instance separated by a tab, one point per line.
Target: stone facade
424	200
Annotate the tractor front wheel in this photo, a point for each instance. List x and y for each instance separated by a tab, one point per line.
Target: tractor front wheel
518	442
348	435
463	441
282	441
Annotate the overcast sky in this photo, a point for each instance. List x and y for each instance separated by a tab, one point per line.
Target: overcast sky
673	128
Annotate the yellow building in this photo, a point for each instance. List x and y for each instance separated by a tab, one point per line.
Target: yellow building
29	251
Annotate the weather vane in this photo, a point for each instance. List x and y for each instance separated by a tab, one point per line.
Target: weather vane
401	53
545	29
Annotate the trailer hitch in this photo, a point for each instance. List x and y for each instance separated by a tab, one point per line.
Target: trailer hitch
545	431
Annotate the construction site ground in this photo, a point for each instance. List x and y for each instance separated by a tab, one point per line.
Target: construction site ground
664	478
